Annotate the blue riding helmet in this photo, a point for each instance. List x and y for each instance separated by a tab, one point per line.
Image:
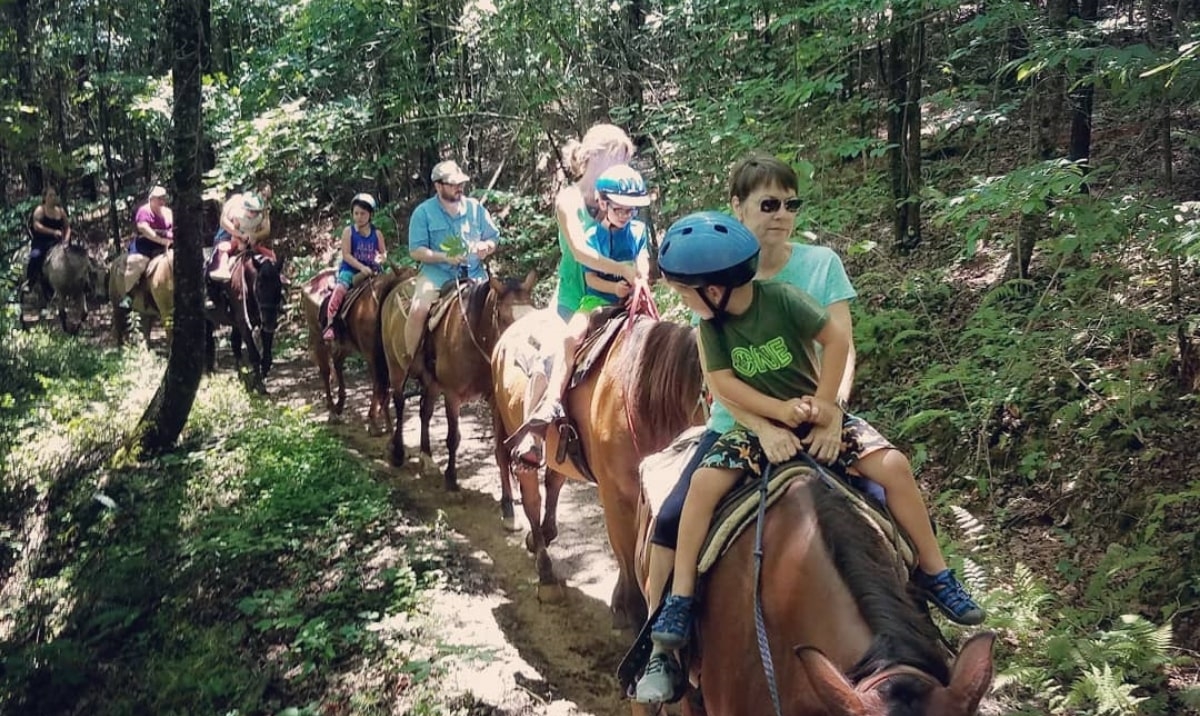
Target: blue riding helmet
622	185
708	248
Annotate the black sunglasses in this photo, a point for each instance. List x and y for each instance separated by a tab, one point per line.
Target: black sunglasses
771	205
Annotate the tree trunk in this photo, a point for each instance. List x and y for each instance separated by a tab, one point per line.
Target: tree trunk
1080	146
168	412
902	71
34	177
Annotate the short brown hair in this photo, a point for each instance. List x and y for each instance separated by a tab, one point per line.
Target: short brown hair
757	170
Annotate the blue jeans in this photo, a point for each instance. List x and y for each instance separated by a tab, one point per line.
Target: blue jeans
666	526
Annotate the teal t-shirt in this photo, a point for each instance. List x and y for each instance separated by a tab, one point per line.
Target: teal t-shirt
571	286
817	271
772	346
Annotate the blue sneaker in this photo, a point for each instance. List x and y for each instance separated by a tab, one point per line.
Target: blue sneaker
944	591
674	623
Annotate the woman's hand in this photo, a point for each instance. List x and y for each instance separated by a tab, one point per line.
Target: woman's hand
779	444
629	274
622	288
824	442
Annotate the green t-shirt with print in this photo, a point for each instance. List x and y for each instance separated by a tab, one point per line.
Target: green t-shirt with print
771	347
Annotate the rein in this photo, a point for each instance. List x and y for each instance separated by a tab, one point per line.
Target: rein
462	309
760	627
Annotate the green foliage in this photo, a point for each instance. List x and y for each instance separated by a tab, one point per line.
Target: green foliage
238	573
1105	662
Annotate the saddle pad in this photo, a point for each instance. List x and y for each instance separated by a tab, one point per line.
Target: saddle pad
603	326
740	508
356	290
444	301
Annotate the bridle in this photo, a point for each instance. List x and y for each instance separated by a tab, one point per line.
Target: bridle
874	681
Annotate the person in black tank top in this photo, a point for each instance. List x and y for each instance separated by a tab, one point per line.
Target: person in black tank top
47	227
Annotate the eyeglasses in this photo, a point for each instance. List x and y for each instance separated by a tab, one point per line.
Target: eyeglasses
624	210
771	205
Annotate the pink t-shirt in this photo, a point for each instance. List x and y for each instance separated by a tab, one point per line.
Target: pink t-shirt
163	224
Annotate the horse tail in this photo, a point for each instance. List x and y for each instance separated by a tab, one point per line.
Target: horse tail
385	284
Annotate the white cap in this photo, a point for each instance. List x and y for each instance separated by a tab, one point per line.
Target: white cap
158	192
447	172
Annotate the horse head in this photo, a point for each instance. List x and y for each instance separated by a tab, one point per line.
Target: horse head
903	690
511	300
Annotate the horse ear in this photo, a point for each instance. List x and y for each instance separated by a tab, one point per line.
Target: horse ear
972	674
832	688
530	280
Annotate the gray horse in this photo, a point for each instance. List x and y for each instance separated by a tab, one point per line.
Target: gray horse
74	277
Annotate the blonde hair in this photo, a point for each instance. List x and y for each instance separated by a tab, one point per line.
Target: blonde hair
600	140
603	146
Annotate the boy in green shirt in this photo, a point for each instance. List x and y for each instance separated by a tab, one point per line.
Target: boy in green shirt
757	342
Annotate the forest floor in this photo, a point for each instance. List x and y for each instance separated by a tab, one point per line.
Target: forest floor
547	654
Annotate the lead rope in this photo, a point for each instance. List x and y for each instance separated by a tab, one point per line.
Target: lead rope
459	281
760	628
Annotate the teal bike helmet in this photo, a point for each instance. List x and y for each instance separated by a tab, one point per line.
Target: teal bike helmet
709	248
622	185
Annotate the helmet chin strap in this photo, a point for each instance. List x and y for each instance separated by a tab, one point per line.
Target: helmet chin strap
718	309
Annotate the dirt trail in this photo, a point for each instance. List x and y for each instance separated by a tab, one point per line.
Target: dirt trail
547	658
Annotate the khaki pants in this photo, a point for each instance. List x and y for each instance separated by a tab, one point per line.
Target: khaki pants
425	292
135	267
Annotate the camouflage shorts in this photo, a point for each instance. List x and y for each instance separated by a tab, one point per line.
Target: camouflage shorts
740	450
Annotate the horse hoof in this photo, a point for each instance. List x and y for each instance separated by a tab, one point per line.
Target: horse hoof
551	593
429	468
509	522
529	545
335	419
374	431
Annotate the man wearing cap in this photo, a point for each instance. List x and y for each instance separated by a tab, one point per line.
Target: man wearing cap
450	235
155	233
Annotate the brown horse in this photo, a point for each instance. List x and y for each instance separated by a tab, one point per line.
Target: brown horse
646	390
831	594
361	336
153	297
453	359
250	300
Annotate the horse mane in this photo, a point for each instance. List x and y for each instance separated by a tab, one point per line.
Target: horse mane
476	299
664	366
902	635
